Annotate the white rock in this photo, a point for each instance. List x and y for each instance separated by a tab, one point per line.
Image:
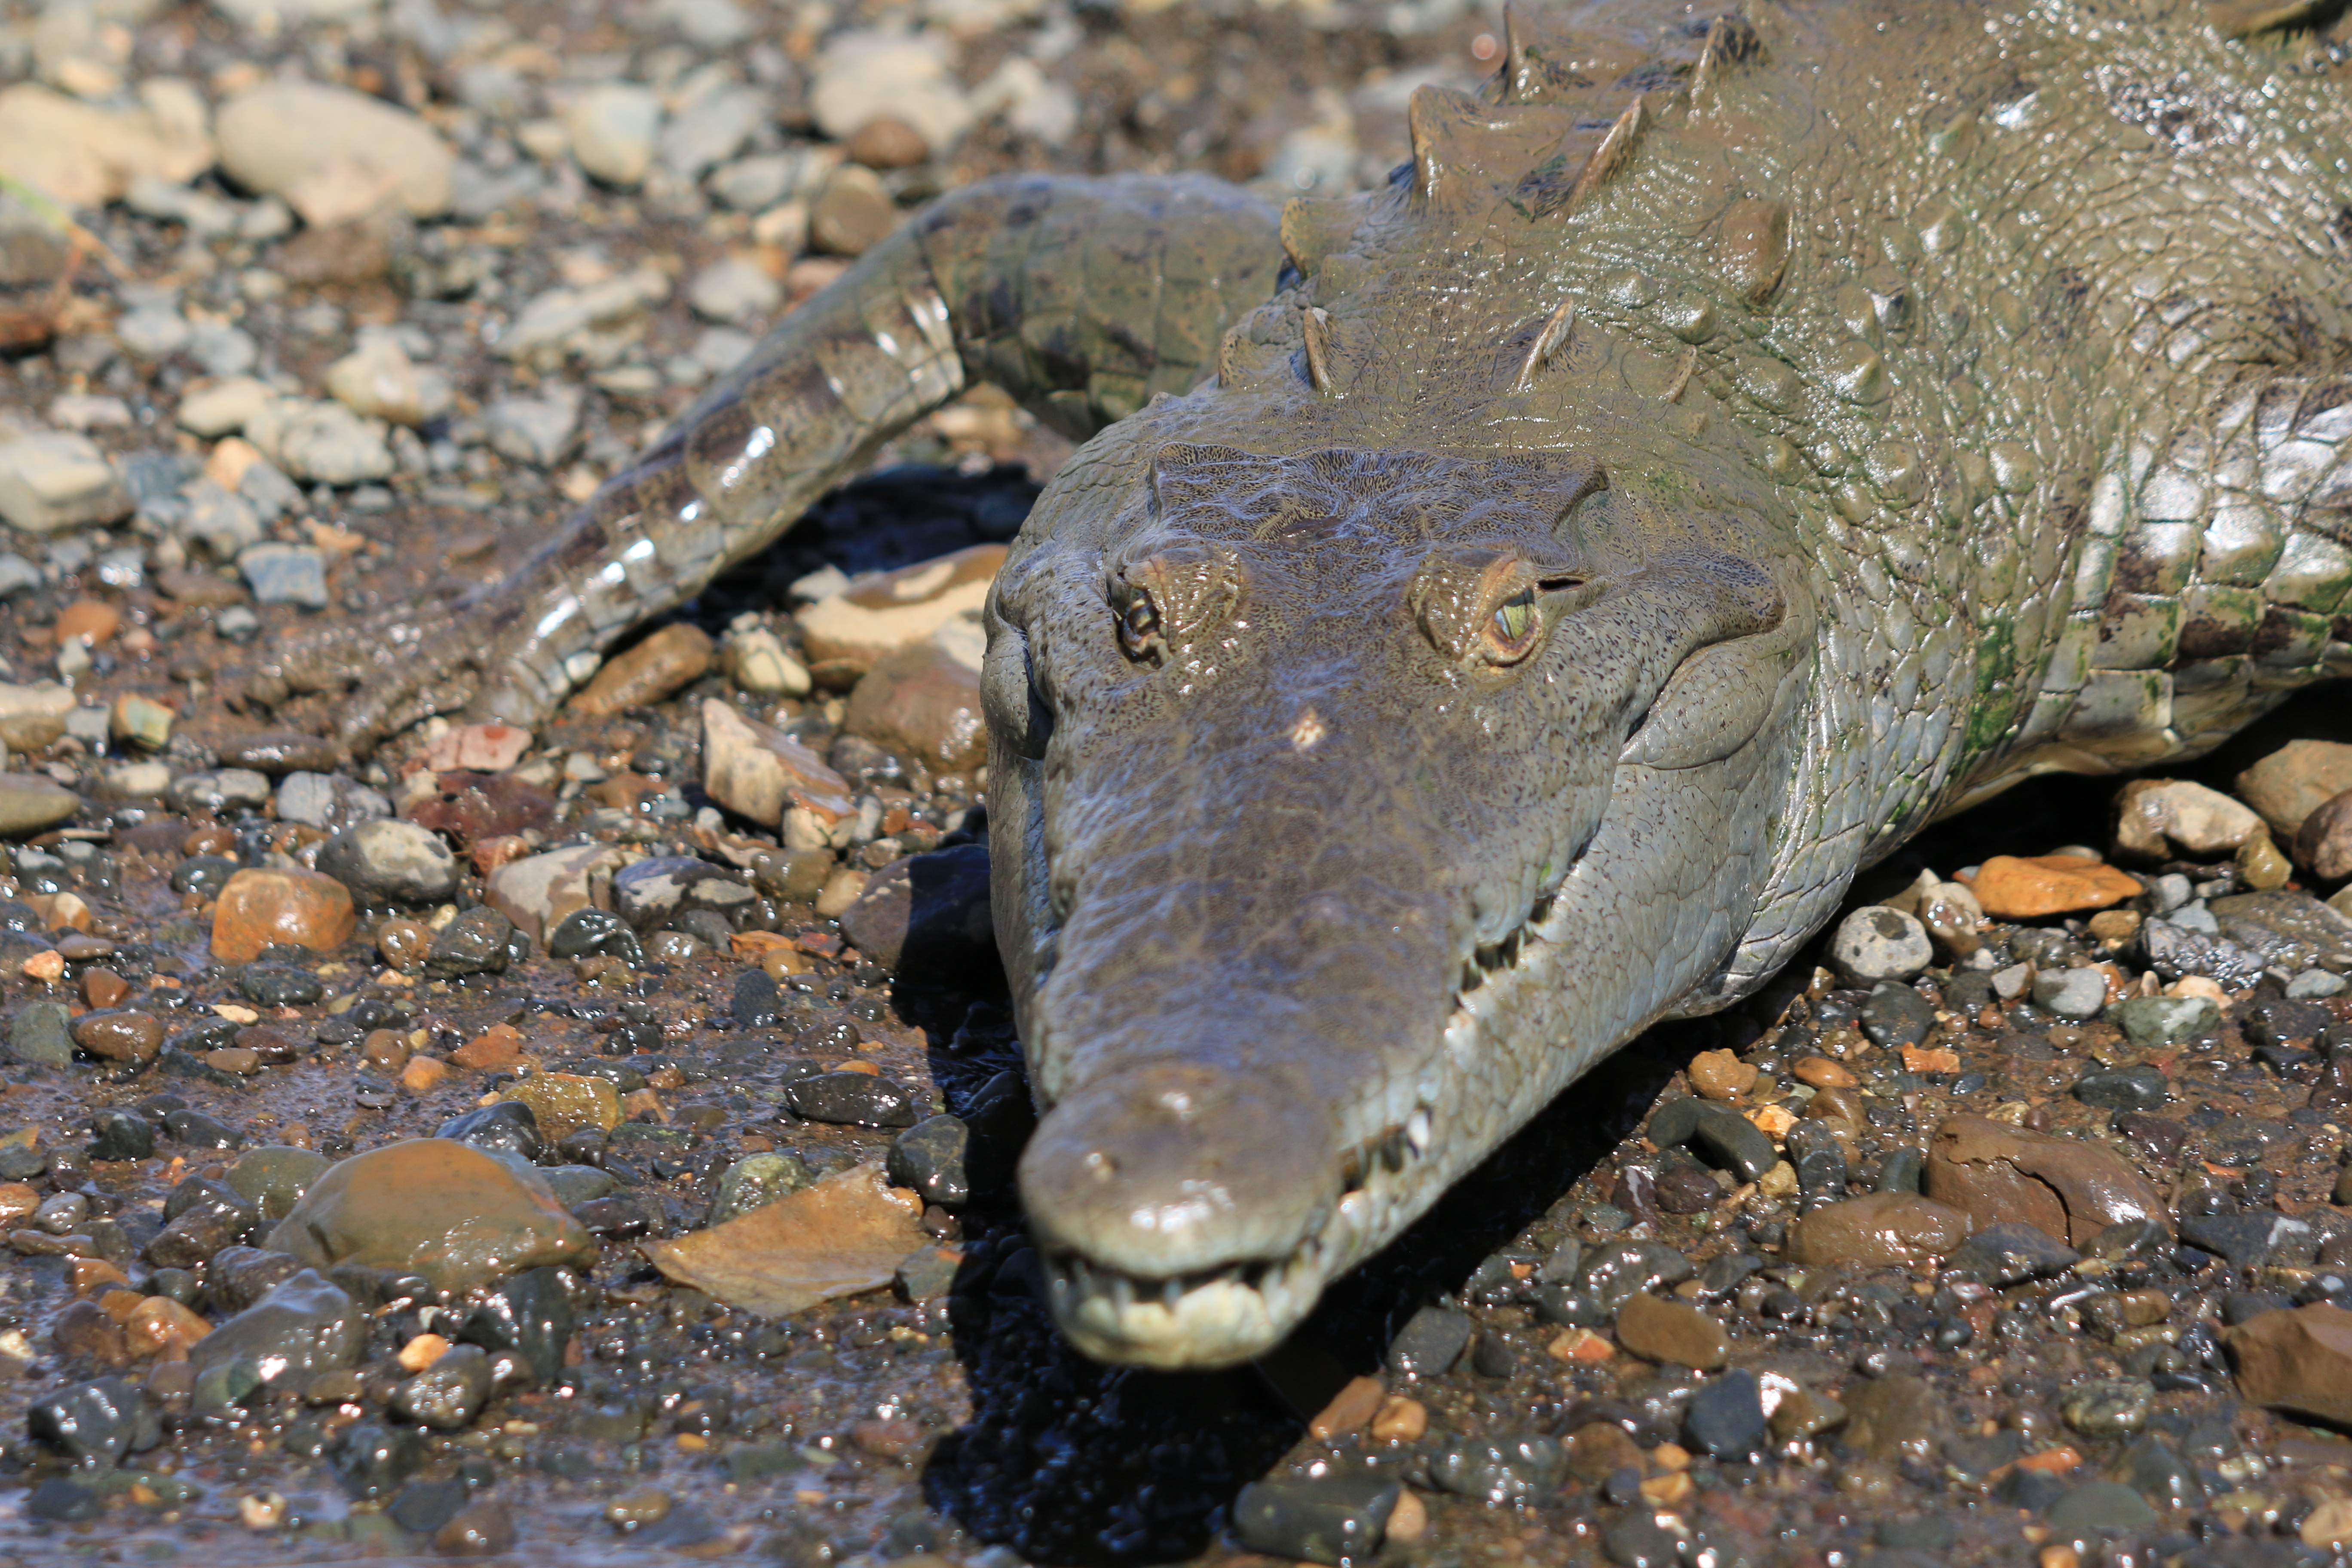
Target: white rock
757	661
613	126
734	289
1877	943
223	521
862	76
2202	821
1030	101
379	381
267	17
334	154
152	331
321	443
86	156
877	616
222	407
59	481
88	411
761	774
551	320
712	129
534	430
138	781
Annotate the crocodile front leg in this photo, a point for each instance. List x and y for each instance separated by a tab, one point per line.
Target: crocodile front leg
1081	298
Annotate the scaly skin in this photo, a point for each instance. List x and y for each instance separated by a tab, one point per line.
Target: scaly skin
1708	461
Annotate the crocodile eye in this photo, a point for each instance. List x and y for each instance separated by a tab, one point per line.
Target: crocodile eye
1138	626
1512	631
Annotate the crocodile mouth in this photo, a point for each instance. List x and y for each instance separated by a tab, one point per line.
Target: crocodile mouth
1231	1314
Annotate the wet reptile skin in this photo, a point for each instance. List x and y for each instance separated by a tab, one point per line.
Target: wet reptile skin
1722	448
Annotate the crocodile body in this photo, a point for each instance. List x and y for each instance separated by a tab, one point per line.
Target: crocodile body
1544	583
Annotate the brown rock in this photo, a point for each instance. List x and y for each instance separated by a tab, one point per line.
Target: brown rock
482	1528
644	675
1823	1073
759	772
1883	1230
103	988
923	703
888	142
477	748
562	1102
92	621
2165	819
403	943
17	1200
2016	888
847	1234
279	751
236	1059
303	909
434	1208
2298	1361
496	1047
1659	1330
1721	1075
2062	1186
1598	1449
2323	846
878	614
83	1329
2295	781
1349	1410
472	806
1892	1417
159	1326
853	213
423	1074
120	1036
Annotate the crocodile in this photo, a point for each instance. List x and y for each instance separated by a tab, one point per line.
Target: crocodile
1495	612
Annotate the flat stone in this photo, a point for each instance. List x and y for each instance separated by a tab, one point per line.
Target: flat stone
330	802
850	1098
845	1235
321	443
922	702
2108	1407
538	891
304	1326
300	909
2324	844
477	748
1429	1344
2246	1240
391	862
2290	784
2069	1189
1662	1330
928	914
31	802
644	675
430	1206
758	1179
57	480
613	127
565	1102
863	74
2169	819
759	772
2154	1022
734	291
535	431
1725	1419
2100	1508
379	381
285	575
2011	887
2123	1088
2073	993
333	154
221	408
2005	1254
878	614
84	156
1332	1519
1881	1230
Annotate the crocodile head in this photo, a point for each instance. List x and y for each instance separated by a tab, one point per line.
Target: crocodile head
1345	806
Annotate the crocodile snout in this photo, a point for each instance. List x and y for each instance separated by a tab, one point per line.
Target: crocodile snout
1177	1168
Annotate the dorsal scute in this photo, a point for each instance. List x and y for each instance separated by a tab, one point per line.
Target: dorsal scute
1554	52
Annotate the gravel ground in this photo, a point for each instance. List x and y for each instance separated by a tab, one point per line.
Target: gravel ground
592	1145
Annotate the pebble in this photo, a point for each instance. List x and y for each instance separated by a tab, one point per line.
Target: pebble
84	156
120	1136
2124	1088
759	772
479	941
2155	1022
2323	843
430	1206
305	1325
863	75
328	801
851	1099
758	1179
2014	888
1430	1343
31	802
379	381
563	1103
477	748
447	1394
1662	1330
1333	1519
97	1423
734	291
679	653
483	1528
537	432
57	480
613	127
653	892
222	407
2174	820
321	443
932	1159
876	616
1882	1230
285	575
2108	1407
757	661
391	862
1876	943
2008	1253
2098	1508
923	703
1725	1419
300	909
120	1036
274	1177
537	891
2075	994
712	129
333	154
852	213
2290	784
